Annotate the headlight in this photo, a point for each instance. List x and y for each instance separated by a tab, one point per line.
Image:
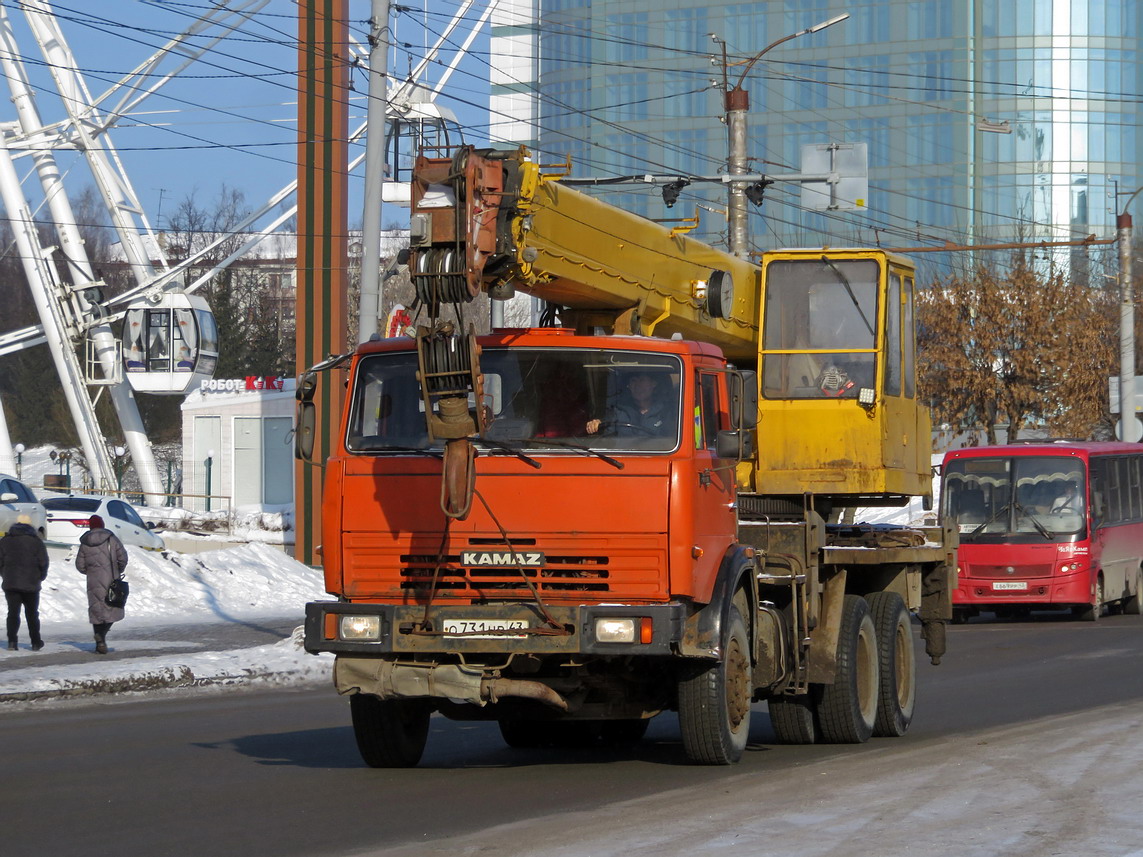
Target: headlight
360	628
615	630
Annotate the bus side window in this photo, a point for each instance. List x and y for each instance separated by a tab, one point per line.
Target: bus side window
1098	493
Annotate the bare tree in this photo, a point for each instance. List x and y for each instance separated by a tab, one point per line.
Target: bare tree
1028	349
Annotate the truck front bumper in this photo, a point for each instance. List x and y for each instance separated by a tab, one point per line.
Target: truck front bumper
495	629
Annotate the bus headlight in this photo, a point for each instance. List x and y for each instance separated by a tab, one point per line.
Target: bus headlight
360	628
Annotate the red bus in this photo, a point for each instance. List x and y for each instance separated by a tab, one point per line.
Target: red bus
1044	525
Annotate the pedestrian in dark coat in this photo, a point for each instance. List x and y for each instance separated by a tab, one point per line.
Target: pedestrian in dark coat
101	557
23	567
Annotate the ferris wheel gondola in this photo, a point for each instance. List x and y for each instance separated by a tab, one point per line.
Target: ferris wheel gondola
170	343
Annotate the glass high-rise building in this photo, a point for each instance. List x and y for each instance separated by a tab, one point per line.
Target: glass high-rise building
628	87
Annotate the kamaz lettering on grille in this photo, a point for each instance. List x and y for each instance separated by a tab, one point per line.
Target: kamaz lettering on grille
528	559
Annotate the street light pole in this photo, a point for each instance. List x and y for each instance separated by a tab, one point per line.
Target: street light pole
736	104
1129	428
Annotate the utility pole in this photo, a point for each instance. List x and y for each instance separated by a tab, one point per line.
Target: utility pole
369	304
737	103
1129	428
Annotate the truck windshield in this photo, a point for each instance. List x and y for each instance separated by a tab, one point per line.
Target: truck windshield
1026	499
533	398
821	328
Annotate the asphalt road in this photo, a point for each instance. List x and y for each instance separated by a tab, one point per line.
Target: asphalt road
277	773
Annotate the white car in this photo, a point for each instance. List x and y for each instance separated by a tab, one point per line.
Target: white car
70	517
16	500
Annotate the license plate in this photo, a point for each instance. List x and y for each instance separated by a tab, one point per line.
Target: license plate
1000	585
477	629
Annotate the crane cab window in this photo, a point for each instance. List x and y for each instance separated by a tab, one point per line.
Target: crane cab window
820	328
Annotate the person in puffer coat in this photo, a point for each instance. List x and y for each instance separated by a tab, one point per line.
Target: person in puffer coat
23	567
101	557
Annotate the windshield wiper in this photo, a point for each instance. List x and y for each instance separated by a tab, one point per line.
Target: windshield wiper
993	517
849	289
388	447
511	450
1035	522
579	447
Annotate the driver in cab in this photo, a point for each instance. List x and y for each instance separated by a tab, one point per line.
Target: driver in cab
642	410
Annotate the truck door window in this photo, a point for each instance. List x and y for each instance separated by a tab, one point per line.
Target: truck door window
893	336
707	412
909	369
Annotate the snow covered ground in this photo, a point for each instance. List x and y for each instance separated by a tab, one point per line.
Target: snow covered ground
236	586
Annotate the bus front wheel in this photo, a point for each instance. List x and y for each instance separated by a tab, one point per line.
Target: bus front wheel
1091	612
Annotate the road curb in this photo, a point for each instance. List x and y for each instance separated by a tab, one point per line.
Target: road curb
165	678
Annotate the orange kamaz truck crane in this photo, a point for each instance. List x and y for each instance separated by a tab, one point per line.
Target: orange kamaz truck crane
573	528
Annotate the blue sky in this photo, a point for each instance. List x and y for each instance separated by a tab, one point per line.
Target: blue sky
229	119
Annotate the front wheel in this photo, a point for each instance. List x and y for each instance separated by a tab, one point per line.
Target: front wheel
390	733
897	664
848	708
1091	612
714	704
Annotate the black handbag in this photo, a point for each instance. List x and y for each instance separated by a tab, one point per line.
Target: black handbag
119	589
117	592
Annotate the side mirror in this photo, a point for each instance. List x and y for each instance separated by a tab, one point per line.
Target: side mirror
8	497
304	433
744	399
734	445
307	387
150	525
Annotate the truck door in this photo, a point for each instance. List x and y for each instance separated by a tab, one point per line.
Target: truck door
712	479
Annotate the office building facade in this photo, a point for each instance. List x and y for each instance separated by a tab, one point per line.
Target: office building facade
987	121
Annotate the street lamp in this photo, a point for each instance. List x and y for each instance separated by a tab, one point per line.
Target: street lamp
19	450
119	453
736	103
1129	428
209	463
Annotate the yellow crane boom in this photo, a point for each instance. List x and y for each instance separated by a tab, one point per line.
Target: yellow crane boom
829	332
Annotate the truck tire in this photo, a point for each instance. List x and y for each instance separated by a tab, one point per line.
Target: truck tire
792	719
848	708
390	733
714	704
896	662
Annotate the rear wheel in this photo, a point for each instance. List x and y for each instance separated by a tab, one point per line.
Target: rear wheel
714	704
897	664
390	733
792	718
1133	603
848	707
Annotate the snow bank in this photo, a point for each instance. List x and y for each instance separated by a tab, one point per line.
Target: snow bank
236	583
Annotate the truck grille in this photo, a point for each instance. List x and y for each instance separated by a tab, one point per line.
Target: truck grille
559	574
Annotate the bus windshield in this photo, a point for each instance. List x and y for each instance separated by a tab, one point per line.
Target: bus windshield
563	400
1025	499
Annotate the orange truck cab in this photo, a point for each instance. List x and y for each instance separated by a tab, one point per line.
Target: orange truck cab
600	526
